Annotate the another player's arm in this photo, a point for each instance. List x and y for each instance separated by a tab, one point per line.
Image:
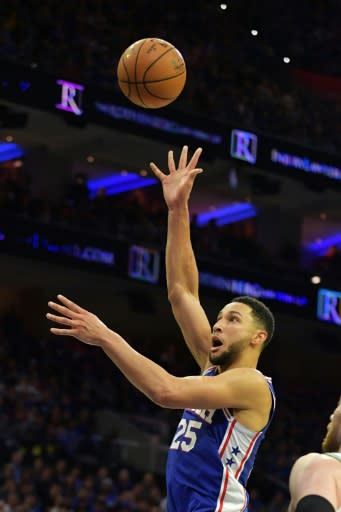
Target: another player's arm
183	285
312	476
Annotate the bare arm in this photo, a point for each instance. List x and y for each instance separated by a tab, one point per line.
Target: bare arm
182	284
242	388
312	474
181	267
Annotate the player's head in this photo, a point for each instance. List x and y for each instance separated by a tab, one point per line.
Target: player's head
243	323
332	440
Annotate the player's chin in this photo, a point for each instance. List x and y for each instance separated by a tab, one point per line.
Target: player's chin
217	357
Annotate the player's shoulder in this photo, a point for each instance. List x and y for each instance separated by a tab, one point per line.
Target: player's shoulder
249	381
252	374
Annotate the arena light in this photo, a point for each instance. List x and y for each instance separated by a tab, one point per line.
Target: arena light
286	60
227	214
124	187
319	246
254	32
118	183
10	151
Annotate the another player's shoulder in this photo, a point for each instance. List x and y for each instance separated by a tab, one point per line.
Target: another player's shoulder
312	461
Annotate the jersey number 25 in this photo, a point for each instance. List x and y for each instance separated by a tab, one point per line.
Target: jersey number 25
187	430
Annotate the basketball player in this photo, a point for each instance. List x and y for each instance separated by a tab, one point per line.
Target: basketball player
228	407
315	479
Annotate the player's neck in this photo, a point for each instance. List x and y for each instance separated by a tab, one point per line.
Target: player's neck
245	360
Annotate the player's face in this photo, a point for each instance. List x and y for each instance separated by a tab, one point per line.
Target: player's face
332	440
231	333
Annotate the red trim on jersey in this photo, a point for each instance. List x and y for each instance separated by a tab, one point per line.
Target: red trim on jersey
223	494
228	435
246	456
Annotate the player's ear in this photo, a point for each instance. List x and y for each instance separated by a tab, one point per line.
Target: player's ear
259	337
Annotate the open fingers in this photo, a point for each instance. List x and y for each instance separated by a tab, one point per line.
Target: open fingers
171	163
194	160
70	305
59	319
183	158
62	309
156	171
194	172
62	332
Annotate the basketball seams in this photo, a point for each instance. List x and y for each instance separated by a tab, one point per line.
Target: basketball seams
159	97
156	60
155	96
135	74
128	81
153	81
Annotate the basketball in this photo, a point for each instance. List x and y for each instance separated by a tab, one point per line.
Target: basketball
151	73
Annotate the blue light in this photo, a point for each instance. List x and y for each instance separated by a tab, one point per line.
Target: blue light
113	179
241	287
124	187
117	183
10	151
227	214
319	247
305	164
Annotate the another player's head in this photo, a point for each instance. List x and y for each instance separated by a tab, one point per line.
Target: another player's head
332	440
243	324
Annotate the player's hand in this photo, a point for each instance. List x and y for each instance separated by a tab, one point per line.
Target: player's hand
177	185
77	322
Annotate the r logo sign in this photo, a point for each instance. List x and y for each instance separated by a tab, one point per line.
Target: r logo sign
244	146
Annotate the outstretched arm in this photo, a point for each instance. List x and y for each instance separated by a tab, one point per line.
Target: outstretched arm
242	388
181	268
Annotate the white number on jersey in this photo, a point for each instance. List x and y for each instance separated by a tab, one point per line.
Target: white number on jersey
186	429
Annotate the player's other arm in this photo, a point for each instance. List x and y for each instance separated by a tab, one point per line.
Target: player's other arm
183	284
312	484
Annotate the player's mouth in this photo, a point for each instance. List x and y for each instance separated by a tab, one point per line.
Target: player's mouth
216	344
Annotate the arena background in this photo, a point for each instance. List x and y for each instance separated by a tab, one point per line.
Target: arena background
80	215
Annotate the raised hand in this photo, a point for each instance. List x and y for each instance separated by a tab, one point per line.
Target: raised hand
177	185
79	322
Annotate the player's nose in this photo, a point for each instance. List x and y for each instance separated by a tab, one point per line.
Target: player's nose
216	328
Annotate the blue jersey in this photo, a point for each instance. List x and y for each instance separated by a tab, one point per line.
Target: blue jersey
210	460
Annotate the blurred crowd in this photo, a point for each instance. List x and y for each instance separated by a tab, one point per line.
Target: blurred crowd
54	457
141	216
232	76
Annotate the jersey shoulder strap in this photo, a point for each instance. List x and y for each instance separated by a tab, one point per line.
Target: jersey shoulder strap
335	455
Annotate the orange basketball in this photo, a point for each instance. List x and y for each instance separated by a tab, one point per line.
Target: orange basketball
151	73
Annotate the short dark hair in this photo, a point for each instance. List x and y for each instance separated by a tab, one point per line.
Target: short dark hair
261	313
